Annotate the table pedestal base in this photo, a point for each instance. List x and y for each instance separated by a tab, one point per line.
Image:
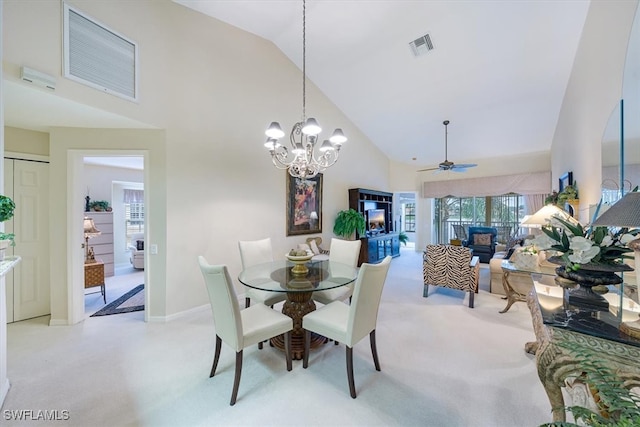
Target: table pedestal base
296	306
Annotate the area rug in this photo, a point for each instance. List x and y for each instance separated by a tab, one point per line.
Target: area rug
127	303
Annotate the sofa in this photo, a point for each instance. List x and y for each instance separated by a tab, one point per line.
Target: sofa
137	251
482	241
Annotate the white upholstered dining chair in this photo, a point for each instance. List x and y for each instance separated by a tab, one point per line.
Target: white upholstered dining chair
348	324
254	252
240	328
342	252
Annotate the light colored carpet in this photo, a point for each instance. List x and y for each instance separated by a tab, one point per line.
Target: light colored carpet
443	364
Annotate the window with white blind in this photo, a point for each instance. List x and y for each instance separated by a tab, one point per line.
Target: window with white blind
133	213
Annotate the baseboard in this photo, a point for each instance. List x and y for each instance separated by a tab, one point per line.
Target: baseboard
4	390
58	322
178	315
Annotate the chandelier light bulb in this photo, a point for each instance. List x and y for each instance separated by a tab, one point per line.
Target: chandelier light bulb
298	149
338	137
311	127
326	146
272	143
274	131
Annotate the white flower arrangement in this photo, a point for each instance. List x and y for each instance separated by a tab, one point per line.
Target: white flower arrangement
595	246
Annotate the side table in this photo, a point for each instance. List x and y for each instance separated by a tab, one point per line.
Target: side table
94	276
516	293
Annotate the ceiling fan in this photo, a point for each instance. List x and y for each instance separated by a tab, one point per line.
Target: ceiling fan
447	165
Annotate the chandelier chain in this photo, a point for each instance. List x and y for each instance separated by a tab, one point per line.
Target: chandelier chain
304	56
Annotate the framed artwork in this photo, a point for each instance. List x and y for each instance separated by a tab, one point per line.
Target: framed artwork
304	205
564	180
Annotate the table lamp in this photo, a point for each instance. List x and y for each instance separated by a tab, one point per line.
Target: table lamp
90	231
626	213
542	216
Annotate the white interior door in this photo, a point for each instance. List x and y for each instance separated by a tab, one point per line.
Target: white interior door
8	228
31	286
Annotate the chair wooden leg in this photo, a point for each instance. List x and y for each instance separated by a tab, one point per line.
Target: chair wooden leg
247	302
425	292
216	356
287	349
352	384
260	345
471	294
307	345
236	381
374	349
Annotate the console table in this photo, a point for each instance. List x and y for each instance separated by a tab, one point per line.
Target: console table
561	328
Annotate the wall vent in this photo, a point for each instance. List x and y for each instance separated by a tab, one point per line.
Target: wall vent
421	45
38	78
99	57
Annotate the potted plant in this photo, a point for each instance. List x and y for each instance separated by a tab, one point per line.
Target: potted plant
100	205
7	206
348	222
403	238
568	194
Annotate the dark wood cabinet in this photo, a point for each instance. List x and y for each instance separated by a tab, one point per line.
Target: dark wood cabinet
380	242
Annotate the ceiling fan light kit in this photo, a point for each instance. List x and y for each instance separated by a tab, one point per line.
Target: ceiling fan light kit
446	165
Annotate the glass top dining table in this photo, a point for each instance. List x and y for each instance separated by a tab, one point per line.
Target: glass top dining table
277	276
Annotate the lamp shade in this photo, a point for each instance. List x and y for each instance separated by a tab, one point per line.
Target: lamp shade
624	213
90	229
541	217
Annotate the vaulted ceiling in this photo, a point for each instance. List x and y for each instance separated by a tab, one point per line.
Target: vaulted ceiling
498	69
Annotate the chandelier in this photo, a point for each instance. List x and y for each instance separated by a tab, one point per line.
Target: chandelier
302	160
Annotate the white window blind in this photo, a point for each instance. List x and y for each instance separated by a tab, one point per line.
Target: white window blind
133	196
99	57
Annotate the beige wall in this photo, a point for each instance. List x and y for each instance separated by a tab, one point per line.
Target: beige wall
26	141
213	89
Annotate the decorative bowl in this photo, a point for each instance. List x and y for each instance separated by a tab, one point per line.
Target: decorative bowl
299	260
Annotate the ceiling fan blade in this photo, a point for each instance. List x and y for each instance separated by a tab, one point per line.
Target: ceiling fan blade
428	169
465	165
459	170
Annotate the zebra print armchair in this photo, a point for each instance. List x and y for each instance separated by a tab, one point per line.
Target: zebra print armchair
451	267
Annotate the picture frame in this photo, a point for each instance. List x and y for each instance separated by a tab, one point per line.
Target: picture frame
304	205
564	180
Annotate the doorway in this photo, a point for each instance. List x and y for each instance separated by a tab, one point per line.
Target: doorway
118	278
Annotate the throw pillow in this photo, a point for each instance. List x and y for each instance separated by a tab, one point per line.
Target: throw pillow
314	247
140	245
482	239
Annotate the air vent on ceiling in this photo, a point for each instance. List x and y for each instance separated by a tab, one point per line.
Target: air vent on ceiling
421	45
99	57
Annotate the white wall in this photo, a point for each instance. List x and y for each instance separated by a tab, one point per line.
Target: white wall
594	91
212	89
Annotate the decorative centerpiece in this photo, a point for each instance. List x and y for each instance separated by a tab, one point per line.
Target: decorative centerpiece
299	257
525	258
589	257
